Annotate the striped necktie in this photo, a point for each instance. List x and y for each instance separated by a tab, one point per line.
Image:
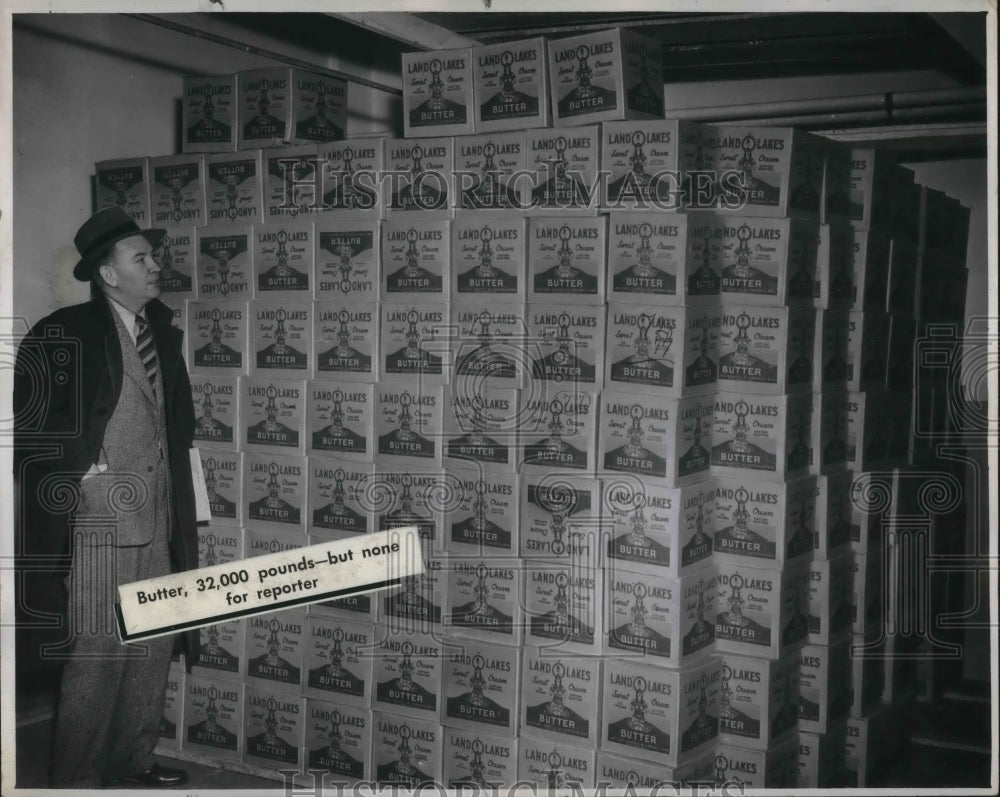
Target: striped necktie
146	348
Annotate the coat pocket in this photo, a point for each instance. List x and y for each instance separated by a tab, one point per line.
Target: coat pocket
118	508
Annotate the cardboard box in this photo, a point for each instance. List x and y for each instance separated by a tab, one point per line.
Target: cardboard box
213	717
438	93
480	426
177	190
489	252
356	608
512	86
763	437
179	307
660	715
900	375
177	257
345	341
759	701
341	421
659	621
490	171
704	257
905	201
350	177
416	259
489	344
171	722
833	514
867	349
656	437
219	545
836	200
414	341
408	671
478	759
831	598
417	605
224	484
409	424
648	258
619	772
217	337
234	187
612	74
208	113
831	350
567	260
557	766
825	693
482	687
274	415
901	288
421	175
484	600
339	500
124	182
408	495
275	648
274	491
337	665
873	744
663	351
828	433
772	768
274	728
283	260
338	740
868	600
319	107
867	680
217	411
766	350
769	262
821	757
866	439
764	524
564	169
872	251
482	520
406	751
658	531
265	111
762	613
564	606
871	497
223	264
834	285
560	698
560	516
870	173
558	431
292	183
221	644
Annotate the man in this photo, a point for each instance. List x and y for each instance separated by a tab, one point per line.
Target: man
103	405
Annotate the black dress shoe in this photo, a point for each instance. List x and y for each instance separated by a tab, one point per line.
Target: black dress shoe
157	776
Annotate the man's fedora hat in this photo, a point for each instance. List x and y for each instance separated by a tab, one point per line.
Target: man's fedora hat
102	231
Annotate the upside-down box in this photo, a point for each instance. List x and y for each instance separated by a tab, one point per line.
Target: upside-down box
234	187
124	183
223	261
177	189
560	517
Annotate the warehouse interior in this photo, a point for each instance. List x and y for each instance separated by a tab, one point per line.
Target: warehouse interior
93	87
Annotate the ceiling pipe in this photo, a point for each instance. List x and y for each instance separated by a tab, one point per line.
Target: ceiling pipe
864	118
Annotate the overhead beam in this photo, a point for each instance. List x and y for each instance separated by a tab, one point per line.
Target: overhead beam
407	28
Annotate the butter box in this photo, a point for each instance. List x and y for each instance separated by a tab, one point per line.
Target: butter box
416	259
481	426
208	113
319	107
648	258
337	665
867	349
276	645
642	164
821	757
223	261
512	86
831	349
831	598
833	514
663	351
283	257
560	516
866	439
213	717
171	721
411	495
340	421
834	286
656	530
274	417
339	499
564	606
346	340
125	183
873	743
768	262
292	183
567	260
560	698
265	111
826	684
762	613
872	251
766	350
438	93
871	498
739	767
870	186
417	605
763	437
221	651
338	740
481	687
900	375
490	343
490	171
603	76
828	432
702	275
554	766
177	256
274	491
234	187
406	751
357	608
489	252
837	167
217	411
177	190
219	545
619	772
217	337
274	728
482	520
654	437
414	341
563	171
901	288
559	430
224	484
868	607
478	759
567	344
407	674
420	175
351	173
660	715
659	621
867	680
409	424
759	701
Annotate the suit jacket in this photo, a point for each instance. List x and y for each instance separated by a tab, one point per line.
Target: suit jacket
67	383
